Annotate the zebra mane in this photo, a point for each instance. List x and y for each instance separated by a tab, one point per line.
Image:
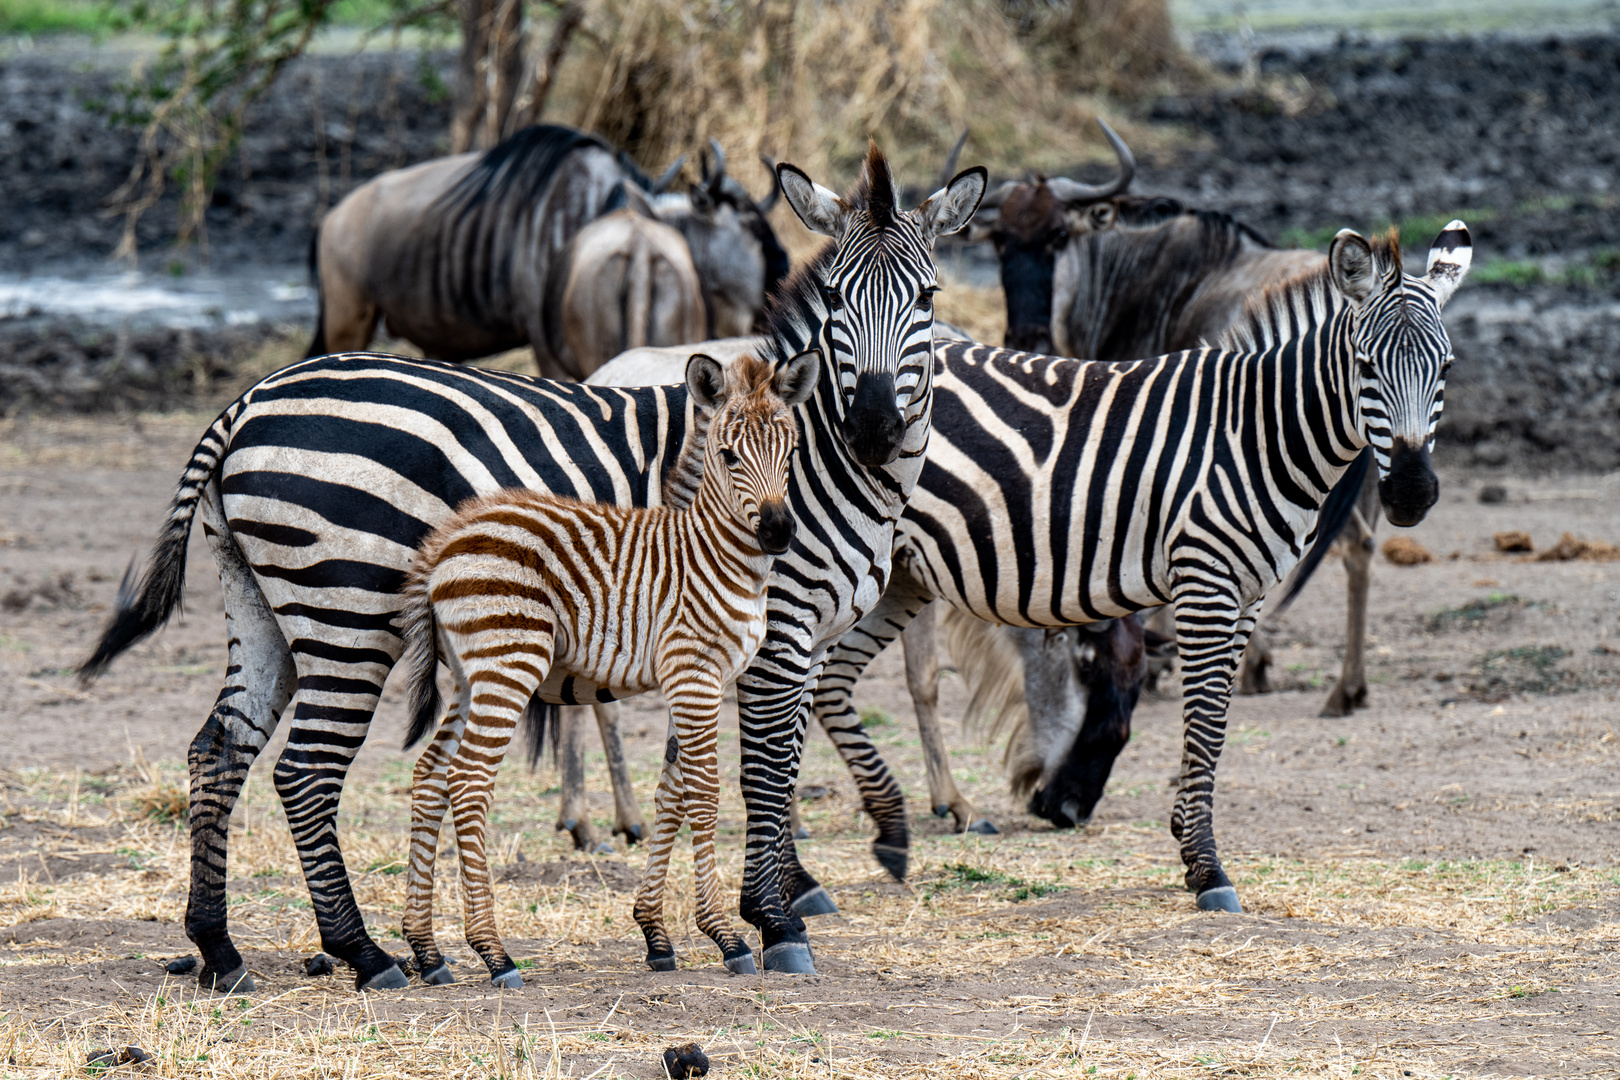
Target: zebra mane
874	192
1280	311
795	310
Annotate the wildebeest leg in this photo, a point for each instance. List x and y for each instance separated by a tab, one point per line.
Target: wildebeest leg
571	815
1212	627
626	815
1255	677
1350	692
835	708
922	678
348	315
258	684
1161	621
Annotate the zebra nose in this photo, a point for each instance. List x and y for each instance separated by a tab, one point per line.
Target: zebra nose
1410	487
873	427
776	527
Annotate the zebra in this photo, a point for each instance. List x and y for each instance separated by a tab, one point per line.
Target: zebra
1062	492
522	589
316	485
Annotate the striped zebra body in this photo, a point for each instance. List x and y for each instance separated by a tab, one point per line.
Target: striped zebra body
316	486
519	588
1063	492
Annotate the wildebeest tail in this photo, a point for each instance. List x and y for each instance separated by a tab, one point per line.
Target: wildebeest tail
420	629
1335	515
317	346
540	722
143	607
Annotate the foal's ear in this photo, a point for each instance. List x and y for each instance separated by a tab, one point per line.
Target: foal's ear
706	381
796	380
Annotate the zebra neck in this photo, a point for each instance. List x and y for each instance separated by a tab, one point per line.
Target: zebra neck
1320	435
714	524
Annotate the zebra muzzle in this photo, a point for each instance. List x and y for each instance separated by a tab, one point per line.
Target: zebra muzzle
873	426
1410	487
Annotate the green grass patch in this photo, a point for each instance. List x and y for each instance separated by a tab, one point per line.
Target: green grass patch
1472	613
874	717
963	875
35	17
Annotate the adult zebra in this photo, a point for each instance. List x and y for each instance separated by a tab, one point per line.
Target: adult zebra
1062	492
316	485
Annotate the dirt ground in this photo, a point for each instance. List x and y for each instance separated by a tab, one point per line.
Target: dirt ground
1430	886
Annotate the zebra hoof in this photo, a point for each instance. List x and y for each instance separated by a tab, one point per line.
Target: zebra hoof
801	833
507	980
983	828
942	810
632	835
661	963
439	976
232	982
389	979
1222	898
602	848
742	964
790	958
892	859
814	902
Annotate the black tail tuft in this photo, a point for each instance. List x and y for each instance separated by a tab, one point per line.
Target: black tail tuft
422	660
541	719
1335	515
141	610
317	346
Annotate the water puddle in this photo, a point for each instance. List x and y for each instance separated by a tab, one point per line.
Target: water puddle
203	300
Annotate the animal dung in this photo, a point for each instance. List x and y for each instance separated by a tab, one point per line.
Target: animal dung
1513	540
1569	548
181	965
318	965
686	1060
129	1055
1405	551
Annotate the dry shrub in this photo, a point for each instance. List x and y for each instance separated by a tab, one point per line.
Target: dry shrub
1405	551
811	80
1513	540
1569	548
161	801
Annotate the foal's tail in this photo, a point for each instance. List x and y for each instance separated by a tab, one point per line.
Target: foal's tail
420	628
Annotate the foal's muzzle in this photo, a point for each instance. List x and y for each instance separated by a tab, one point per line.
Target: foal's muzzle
776	527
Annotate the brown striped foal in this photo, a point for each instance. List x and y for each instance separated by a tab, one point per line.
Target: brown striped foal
520	591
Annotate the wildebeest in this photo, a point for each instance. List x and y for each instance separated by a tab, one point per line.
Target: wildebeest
631	283
466	255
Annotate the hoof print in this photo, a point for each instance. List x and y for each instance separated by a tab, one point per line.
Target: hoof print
318	965
686	1060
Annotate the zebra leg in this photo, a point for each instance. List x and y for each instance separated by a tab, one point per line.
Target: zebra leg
881	796
1350	692
430	796
571	814
922	678
773	696
626	815
258	684
668	811
1211	632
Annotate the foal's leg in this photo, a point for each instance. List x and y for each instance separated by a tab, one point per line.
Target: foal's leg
430	796
668	811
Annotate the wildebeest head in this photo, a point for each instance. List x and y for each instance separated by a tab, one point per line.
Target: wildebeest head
738	256
1081	684
1029	223
871	296
1400	355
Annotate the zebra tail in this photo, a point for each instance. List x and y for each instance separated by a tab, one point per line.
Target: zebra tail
317	346
1335	515
420	628
541	718
142	608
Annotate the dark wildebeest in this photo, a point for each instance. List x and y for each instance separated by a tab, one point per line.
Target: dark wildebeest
631	283
466	256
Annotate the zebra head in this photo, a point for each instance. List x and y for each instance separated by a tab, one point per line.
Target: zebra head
1400	355
753	434
876	289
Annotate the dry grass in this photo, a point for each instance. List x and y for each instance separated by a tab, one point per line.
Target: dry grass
1433	947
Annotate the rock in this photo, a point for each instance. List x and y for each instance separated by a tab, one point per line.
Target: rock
1491	494
1513	540
1405	551
318	965
181	965
686	1060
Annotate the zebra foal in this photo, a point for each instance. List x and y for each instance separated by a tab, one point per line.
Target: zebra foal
522	589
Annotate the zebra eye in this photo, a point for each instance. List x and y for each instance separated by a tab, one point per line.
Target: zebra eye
925	300
1367	369
729	456
835	302
1446	367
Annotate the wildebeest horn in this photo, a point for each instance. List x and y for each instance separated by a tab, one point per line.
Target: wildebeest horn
719	165
1069	191
949	170
769	201
994	199
662	183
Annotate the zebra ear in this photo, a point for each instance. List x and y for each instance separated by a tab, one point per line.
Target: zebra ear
1351	266
706	381
796	379
1449	258
821	210
950	208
